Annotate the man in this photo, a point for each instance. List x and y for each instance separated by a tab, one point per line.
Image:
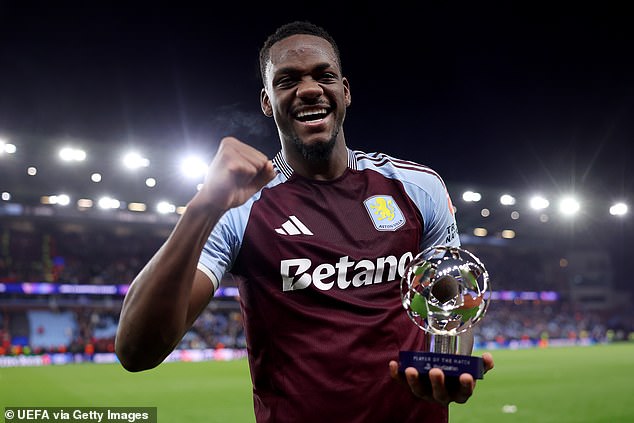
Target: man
319	238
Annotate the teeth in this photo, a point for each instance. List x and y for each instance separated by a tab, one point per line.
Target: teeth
312	112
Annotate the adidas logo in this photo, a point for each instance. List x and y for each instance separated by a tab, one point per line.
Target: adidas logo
293	226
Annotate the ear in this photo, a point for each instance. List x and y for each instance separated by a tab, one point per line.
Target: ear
346	91
265	103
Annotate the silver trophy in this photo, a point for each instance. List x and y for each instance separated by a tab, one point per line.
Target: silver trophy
445	291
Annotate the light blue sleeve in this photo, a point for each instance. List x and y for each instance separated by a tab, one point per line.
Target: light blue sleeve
225	240
220	249
429	193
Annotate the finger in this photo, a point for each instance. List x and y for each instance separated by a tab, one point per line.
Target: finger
244	154
394	371
265	175
488	361
415	385
439	390
465	389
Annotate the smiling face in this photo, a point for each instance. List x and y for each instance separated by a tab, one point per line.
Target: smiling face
307	96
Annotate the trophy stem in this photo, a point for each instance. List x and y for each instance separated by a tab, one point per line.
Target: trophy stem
443	344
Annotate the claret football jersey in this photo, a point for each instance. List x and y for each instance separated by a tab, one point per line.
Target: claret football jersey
319	265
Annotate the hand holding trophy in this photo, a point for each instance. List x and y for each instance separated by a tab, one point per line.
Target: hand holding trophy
445	291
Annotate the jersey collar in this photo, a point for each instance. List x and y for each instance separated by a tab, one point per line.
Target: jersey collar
281	165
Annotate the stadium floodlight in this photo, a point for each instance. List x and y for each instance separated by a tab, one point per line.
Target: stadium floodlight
137	207
538	202
84	203
507	200
134	160
165	207
70	154
471	196
480	232
508	234
108	203
193	167
60	200
618	209
7	147
569	206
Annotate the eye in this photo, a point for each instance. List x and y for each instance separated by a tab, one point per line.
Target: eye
285	82
329	77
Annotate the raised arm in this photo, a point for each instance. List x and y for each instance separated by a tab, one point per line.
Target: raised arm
169	293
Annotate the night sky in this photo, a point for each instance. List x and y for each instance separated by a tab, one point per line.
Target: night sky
511	94
516	95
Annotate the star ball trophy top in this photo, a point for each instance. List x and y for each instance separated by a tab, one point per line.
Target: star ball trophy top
445	291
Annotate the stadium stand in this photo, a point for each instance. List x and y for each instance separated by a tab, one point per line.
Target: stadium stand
49	330
71	253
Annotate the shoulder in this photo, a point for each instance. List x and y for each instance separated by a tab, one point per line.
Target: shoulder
392	167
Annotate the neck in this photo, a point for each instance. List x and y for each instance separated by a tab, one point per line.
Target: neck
322	169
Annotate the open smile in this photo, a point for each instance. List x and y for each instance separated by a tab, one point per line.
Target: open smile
313	115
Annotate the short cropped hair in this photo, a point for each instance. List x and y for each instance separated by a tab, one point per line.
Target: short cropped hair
289	29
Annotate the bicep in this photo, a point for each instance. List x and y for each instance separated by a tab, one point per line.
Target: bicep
201	293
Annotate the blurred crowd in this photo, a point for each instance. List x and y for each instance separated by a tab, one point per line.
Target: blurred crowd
98	255
83	255
538	322
94	331
505	324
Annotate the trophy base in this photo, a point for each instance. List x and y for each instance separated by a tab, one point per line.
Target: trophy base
453	365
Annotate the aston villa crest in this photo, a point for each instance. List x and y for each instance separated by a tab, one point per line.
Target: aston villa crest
384	212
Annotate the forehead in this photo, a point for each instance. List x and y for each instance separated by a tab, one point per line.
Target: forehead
301	49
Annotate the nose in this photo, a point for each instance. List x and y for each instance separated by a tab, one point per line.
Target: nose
309	89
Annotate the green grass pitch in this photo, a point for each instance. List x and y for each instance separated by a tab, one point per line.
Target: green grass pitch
577	385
